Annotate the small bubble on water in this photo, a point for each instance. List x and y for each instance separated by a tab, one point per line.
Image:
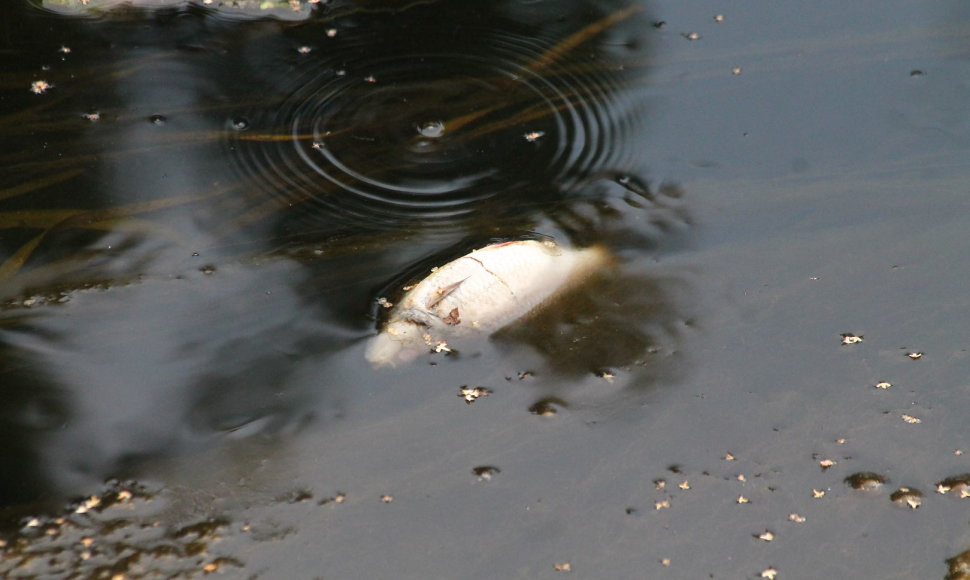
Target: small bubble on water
240	123
432	129
157	119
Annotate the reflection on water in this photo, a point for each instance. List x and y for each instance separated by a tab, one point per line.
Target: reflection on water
201	209
388	126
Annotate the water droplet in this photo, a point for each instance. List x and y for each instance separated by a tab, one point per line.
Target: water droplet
432	129
157	120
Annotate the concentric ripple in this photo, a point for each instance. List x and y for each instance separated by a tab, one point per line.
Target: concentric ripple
434	138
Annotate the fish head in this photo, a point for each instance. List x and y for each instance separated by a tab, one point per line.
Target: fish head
400	342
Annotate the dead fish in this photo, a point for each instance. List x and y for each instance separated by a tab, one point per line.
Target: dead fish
478	294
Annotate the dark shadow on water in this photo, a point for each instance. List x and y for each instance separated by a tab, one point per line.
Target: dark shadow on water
201	208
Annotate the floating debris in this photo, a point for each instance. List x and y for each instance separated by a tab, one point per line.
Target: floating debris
472	394
546	407
849	338
742	499
907	496
486	472
911	419
736	70
883	385
826	463
769	573
793	517
957	485
563	567
866	481
477	294
339	497
387	498
915	355
818	493
766	536
40	87
959	566
691	36
606	375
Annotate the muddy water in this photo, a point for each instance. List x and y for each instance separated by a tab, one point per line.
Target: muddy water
201	209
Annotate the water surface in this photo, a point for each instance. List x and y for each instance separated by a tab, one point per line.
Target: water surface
200	211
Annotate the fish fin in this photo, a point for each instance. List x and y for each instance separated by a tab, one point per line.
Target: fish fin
443	293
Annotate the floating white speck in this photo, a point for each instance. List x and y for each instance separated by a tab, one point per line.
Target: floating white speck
40	87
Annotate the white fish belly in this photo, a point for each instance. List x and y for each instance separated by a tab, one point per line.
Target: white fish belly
480	292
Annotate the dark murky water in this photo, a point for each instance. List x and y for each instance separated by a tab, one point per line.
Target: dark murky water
200	209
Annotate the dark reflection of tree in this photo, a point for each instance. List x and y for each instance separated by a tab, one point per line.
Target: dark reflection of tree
128	194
